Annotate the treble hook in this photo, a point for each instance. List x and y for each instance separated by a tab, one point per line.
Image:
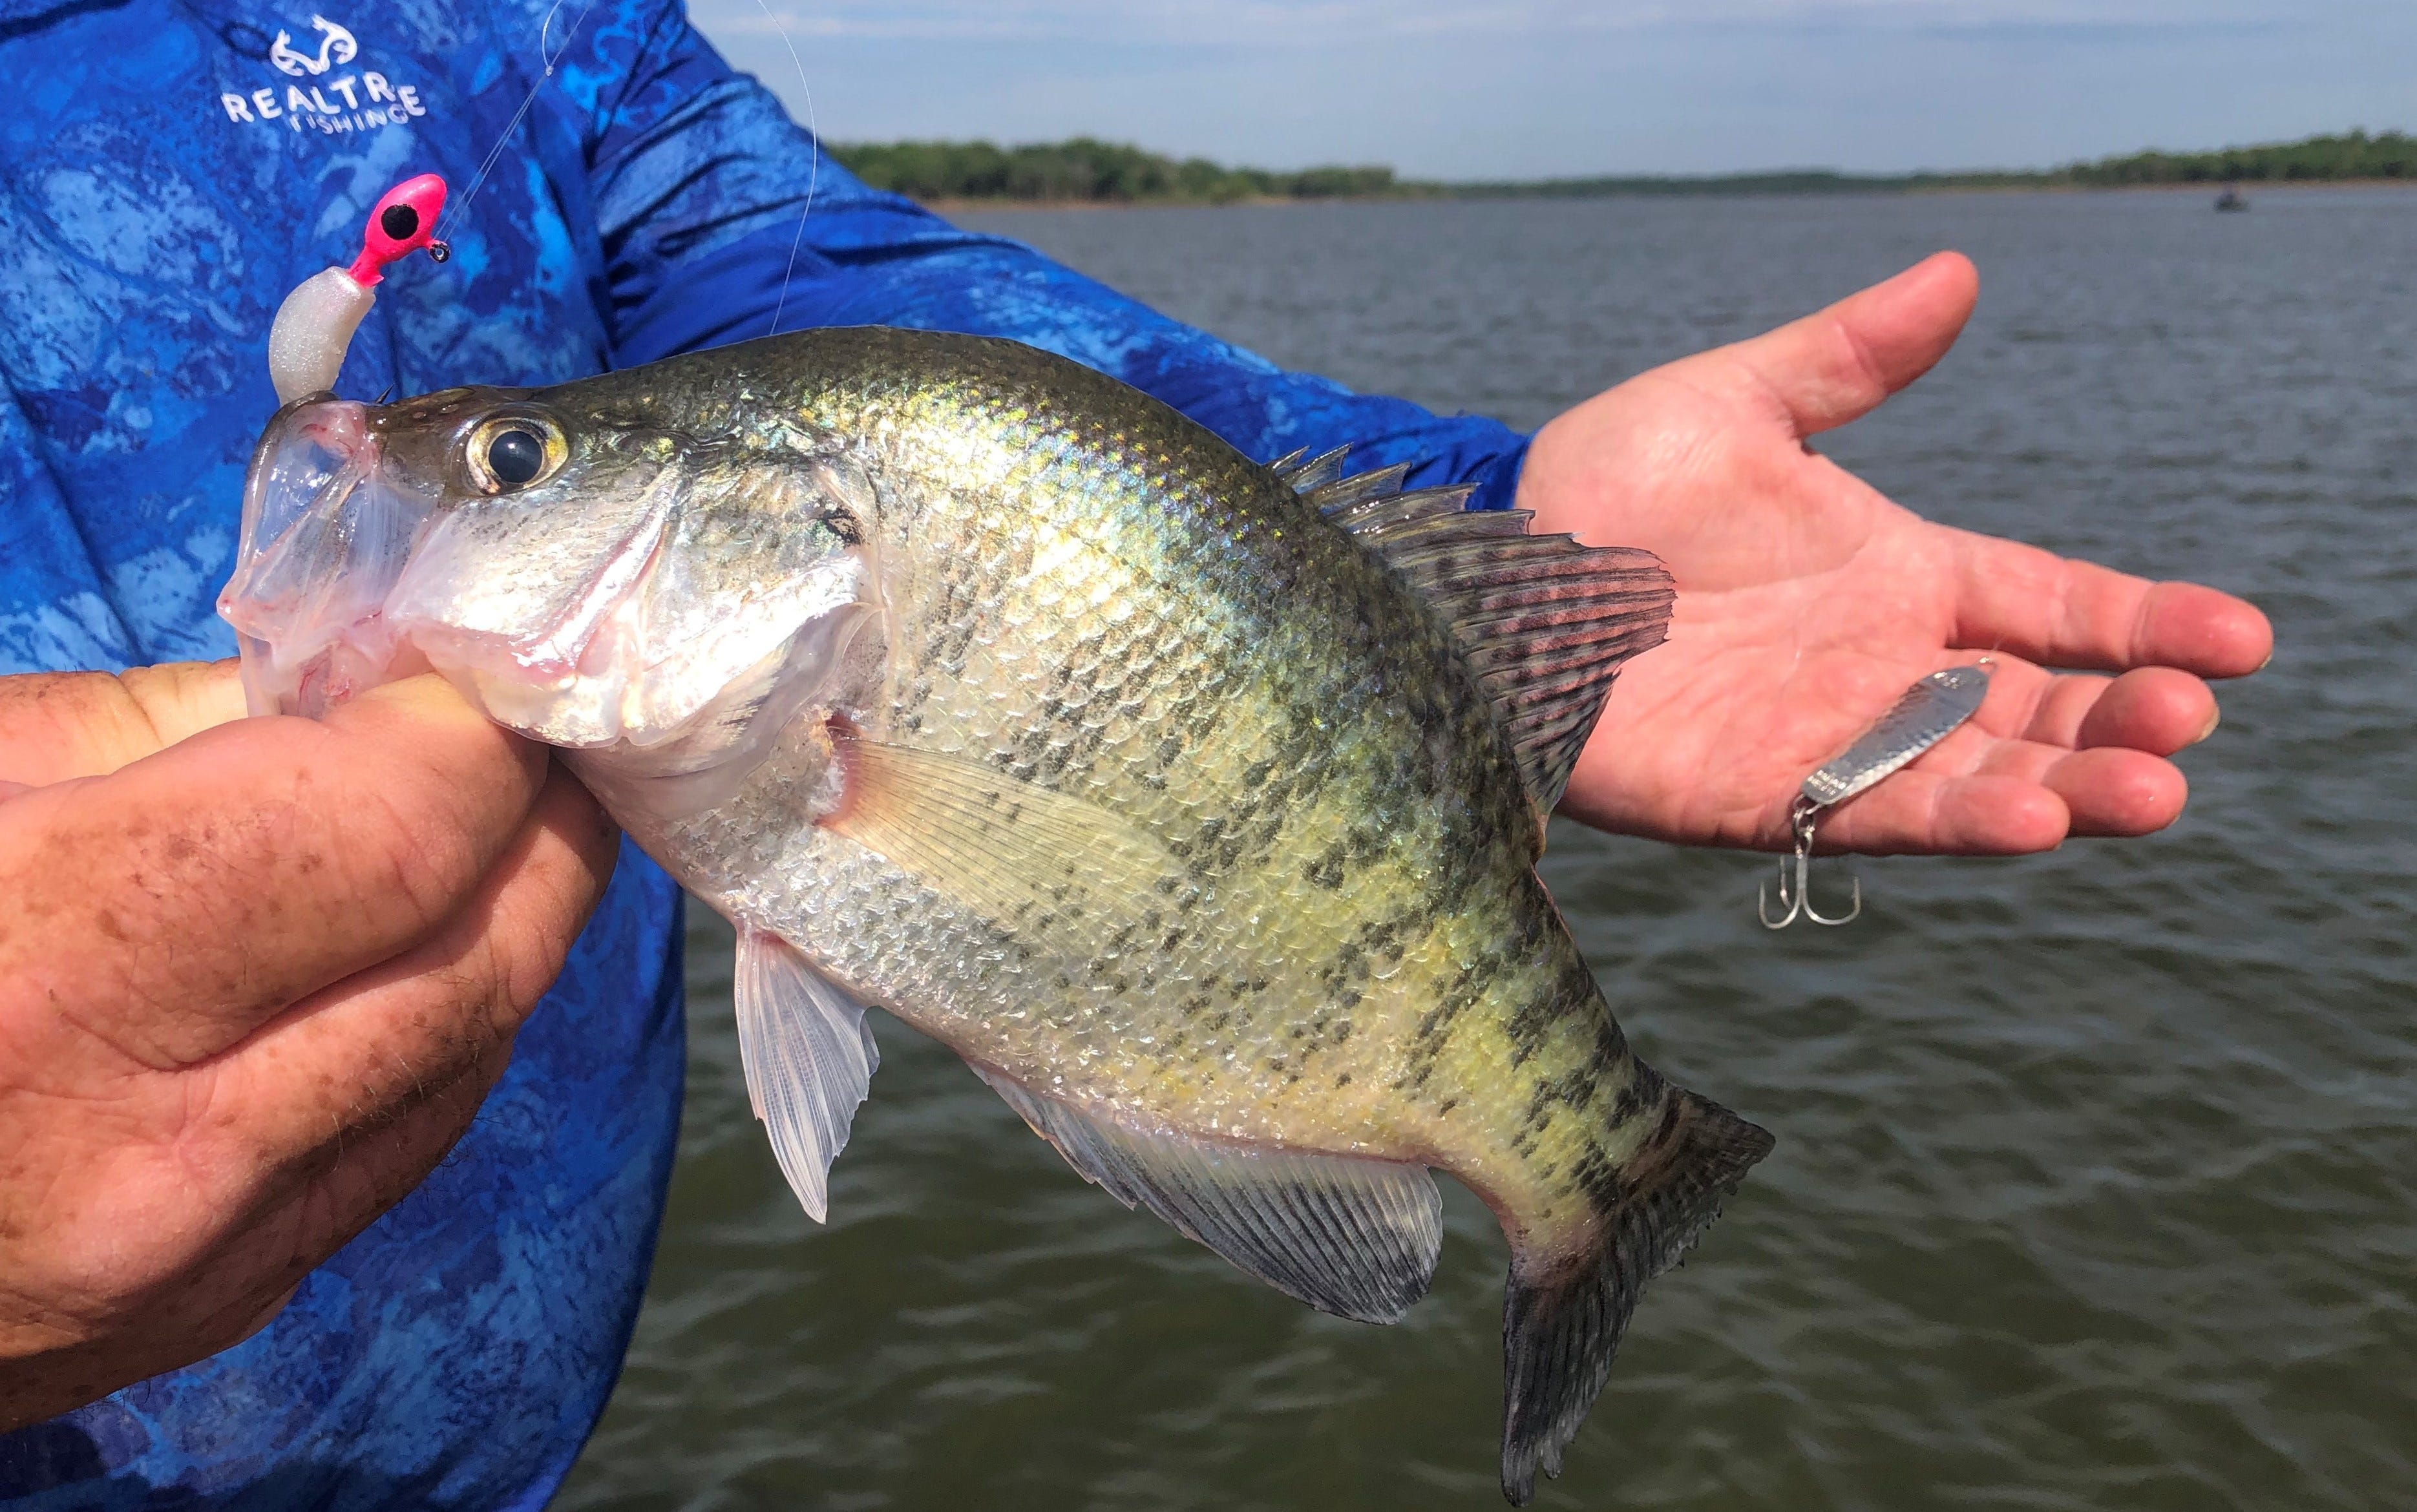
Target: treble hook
1796	877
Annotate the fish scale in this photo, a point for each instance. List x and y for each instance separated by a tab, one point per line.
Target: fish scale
995	713
1173	797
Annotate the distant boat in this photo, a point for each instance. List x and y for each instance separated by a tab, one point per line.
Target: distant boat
2231	199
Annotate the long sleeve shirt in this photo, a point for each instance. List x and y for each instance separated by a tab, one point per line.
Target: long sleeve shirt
172	170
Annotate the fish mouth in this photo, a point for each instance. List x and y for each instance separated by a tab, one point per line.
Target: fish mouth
325	535
354	570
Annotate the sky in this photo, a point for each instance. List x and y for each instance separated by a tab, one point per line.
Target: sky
1530	88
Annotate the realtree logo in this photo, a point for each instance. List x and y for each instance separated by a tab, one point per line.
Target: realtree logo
362	101
337	46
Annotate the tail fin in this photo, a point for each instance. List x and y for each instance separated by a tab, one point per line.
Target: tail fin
1560	1330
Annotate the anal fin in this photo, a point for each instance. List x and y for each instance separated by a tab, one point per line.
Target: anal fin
809	1057
1354	1237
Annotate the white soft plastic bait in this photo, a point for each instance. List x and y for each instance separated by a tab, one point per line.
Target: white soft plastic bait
315	323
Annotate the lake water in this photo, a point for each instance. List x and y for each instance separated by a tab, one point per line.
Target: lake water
2096	1183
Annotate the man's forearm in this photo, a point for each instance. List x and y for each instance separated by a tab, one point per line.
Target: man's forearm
726	218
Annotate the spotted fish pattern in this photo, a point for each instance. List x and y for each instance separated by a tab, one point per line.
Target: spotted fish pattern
648	203
1157	782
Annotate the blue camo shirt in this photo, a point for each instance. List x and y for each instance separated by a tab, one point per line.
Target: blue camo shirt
172	169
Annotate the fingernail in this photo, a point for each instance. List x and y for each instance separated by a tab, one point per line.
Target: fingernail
2214	717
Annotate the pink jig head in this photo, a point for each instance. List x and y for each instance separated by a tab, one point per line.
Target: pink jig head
401	224
314	326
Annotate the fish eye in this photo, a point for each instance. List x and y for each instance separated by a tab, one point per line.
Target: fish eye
514	457
513	452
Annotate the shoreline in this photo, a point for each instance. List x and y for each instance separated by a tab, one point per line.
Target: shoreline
2250	190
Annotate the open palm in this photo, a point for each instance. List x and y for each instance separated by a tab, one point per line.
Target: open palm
1808	602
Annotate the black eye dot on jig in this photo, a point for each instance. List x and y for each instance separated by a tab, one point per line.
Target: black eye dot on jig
314	326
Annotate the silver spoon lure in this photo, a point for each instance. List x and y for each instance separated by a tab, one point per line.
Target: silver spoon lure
1928	713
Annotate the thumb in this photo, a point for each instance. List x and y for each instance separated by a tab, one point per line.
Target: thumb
1839	365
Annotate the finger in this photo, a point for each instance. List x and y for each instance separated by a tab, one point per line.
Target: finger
1938	813
2097	745
2112	791
2069	613
181	699
405	1052
1839	364
2155	709
2010	798
56	726
164	912
290	1145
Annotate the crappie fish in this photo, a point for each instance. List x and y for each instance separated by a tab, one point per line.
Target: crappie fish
1196	802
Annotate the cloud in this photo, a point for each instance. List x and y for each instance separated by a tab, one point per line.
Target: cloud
1314	23
1498	88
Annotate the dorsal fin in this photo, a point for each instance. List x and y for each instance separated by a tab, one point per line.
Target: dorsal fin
1307	476
1544	621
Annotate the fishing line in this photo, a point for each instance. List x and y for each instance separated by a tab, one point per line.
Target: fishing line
552	59
495	153
814	166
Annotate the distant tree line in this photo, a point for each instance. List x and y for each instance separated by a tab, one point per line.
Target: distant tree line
2317	160
1782	181
1085	171
2354	156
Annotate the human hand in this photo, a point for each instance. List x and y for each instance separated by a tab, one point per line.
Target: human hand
1808	603
256	977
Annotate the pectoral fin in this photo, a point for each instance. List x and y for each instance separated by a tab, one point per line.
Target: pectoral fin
1356	1238
809	1056
1051	867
